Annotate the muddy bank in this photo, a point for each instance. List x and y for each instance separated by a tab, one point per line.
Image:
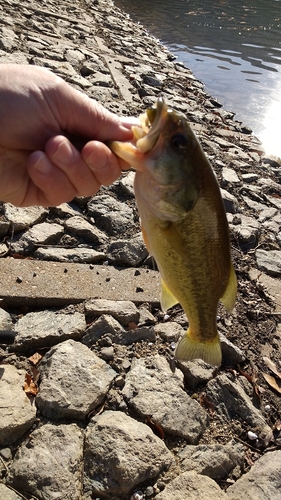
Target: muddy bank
102	415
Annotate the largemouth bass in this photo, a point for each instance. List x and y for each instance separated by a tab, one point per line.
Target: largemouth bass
184	225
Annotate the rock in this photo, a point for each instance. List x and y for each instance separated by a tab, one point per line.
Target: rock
230	202
192	486
111	215
229	176
262	482
231	402
82	228
215	461
121	453
245	229
130	252
123	311
105	324
250	177
5	320
196	372
8	494
231	354
127	184
23	218
70	255
74	381
269	261
49	464
46	328
17	411
41	234
170	331
150	382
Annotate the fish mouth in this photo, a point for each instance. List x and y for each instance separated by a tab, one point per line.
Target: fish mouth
153	120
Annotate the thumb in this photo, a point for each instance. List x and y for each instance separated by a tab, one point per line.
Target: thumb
80	115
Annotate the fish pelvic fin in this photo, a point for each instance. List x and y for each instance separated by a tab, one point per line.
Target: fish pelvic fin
167	299
229	296
188	348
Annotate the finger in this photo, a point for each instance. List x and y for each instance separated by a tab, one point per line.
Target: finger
66	157
49	185
102	162
79	114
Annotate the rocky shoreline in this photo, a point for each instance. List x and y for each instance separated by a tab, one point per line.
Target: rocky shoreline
92	404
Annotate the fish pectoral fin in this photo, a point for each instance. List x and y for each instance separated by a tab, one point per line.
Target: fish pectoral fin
174	239
229	296
127	151
189	348
167	299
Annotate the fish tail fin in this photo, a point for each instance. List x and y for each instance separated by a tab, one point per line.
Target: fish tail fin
188	348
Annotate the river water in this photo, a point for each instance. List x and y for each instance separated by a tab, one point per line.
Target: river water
232	46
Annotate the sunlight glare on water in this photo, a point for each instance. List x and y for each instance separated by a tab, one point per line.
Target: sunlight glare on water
233	46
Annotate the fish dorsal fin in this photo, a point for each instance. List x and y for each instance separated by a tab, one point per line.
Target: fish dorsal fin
229	296
167	299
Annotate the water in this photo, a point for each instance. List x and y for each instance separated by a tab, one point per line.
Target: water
233	46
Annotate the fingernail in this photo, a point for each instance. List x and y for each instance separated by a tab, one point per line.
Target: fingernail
64	153
42	165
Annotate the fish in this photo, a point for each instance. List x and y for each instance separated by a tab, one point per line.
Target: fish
184	225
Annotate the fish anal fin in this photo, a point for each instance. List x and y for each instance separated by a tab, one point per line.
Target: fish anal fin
229	296
189	348
167	299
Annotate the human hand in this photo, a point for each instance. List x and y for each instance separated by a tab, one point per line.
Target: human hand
39	164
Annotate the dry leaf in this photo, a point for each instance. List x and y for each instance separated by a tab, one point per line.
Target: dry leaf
272	366
272	382
29	387
35	358
156	428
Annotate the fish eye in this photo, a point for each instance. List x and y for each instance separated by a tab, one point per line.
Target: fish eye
179	142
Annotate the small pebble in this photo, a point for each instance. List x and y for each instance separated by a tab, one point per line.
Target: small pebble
252	435
267	408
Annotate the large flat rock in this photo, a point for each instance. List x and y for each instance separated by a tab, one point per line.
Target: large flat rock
48	284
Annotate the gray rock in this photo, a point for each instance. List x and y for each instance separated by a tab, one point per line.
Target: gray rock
170	331
231	354
130	252
46	328
215	461
105	324
192	486
121	453
17	411
269	261
82	228
76	254
196	372
5	320
22	218
40	234
231	402
245	229
230	202
49	465
149	383
74	381
4	227
229	176
123	311
262	482
8	494
250	177
111	215
127	184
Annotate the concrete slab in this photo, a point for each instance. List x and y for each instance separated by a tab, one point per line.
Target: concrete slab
50	284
